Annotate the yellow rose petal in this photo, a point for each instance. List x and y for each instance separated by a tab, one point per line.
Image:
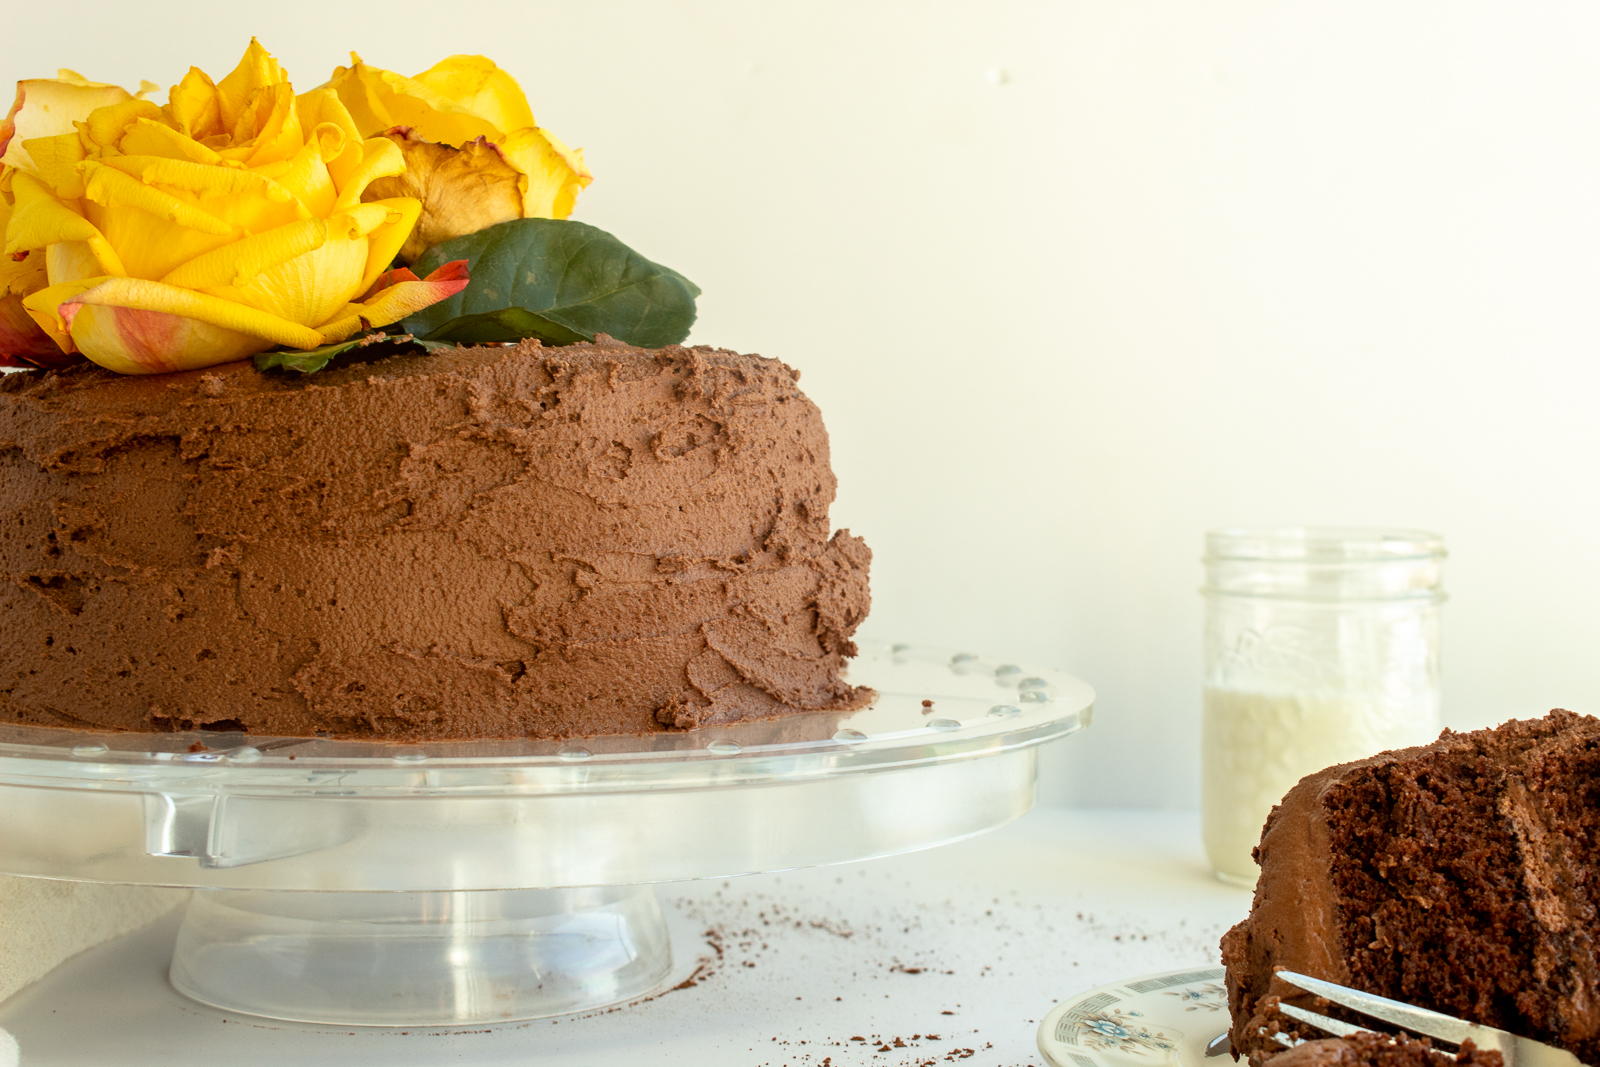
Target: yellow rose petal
39	219
380	159
148	137
309	288
112	188
45	107
306	178
19	277
553	173
356	89
189	177
140	294
60	338
395	302
479	87
239	261
106	125
321	109
330	140
21	272
380	100
45	306
138	341
268	133
56	160
237	92
347	325
194	107
385	241
71	261
149	245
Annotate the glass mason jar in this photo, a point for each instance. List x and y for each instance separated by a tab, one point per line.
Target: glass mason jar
1321	646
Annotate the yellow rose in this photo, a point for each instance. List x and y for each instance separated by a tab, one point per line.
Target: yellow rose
225	223
474	156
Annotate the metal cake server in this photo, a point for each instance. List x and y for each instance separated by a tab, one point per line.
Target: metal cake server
1518	1051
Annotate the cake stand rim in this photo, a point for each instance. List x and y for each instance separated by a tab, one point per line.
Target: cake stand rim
707	758
209	825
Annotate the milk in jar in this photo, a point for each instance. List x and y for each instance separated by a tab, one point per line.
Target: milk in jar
1321	647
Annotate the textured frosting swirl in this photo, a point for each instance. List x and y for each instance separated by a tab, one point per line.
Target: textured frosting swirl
492	542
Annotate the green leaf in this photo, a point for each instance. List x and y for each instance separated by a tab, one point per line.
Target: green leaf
567	274
310	360
305	360
507	324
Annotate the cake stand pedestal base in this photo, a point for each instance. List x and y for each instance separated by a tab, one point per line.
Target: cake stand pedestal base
420	959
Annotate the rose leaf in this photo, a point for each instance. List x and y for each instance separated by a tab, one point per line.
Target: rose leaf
569	275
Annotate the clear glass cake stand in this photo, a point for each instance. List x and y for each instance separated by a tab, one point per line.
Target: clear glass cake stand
446	883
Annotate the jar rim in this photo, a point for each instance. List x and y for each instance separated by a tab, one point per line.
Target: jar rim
1323	544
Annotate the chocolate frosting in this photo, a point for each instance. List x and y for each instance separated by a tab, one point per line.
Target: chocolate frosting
490	542
1294	921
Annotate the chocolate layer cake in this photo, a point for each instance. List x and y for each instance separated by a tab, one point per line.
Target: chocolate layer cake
1459	876
490	542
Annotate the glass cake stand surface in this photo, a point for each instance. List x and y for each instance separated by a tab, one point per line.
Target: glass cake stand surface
373	883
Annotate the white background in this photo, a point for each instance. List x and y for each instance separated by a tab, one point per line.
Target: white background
1073	282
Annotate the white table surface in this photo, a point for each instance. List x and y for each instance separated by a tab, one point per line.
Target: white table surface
972	942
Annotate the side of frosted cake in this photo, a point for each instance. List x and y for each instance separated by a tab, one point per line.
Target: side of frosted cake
490	542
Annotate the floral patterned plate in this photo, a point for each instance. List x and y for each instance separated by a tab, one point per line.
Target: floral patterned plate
1165	1018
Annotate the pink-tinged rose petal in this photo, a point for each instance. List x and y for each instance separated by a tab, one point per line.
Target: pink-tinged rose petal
453	271
148	338
388	278
400	300
446	281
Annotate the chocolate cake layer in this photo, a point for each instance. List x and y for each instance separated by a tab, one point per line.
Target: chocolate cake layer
1461	876
491	542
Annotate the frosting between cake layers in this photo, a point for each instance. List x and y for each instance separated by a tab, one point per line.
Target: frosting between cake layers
483	543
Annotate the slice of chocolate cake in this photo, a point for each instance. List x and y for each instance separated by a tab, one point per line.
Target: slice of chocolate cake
1459	876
